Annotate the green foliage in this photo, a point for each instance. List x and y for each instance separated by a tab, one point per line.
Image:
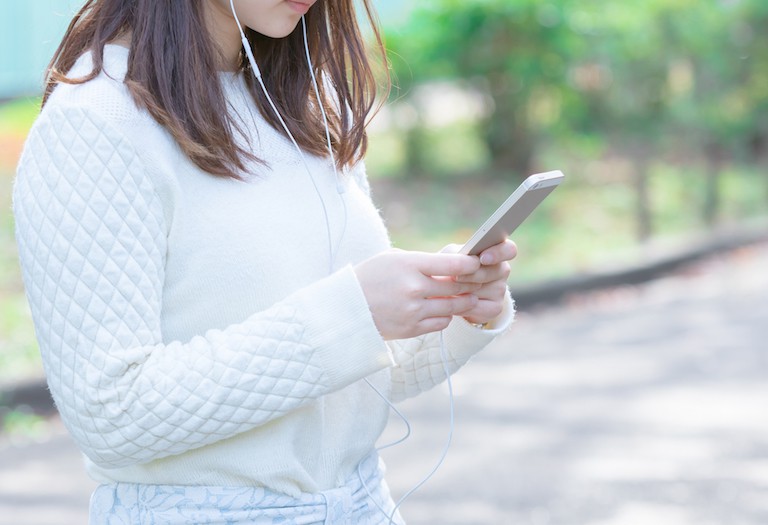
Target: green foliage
690	72
515	52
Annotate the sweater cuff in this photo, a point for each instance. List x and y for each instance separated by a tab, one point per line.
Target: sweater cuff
504	320
466	339
341	329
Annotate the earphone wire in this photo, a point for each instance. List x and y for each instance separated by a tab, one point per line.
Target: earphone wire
399	414
317	94
332	256
390	516
326	126
257	74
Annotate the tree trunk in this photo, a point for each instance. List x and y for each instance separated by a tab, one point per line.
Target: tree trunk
416	165
510	143
643	215
758	145
508	136
712	198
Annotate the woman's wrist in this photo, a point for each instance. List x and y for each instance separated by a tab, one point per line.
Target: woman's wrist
481	326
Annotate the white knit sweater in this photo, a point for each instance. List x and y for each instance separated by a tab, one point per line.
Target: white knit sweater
190	330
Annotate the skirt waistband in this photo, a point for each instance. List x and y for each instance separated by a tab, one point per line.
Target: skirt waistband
364	499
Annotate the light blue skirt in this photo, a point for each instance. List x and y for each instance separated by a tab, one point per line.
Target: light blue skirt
353	504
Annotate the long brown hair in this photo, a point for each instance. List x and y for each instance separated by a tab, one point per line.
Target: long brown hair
172	73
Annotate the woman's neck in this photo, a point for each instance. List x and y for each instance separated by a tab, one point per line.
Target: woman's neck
225	35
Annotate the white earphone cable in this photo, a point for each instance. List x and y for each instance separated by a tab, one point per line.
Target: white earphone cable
332	256
391	515
339	185
260	80
317	95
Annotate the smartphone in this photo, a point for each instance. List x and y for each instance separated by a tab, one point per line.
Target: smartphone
513	212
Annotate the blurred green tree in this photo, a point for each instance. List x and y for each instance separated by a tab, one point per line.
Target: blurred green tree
515	52
750	34
678	79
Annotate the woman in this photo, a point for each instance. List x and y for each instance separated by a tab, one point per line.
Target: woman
216	306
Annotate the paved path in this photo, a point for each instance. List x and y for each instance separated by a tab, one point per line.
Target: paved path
642	405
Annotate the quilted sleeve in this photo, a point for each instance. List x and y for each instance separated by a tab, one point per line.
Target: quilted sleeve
420	361
91	233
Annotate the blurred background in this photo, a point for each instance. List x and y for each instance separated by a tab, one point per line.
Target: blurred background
656	111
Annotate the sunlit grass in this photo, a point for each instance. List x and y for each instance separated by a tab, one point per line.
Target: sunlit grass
575	229
744	193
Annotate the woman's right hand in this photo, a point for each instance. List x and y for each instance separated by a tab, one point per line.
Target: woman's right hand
413	293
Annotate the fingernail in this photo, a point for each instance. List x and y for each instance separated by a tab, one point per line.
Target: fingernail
486	259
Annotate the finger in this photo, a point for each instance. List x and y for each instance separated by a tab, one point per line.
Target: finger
487	274
484	312
445	264
448	306
423	287
495	291
504	251
433	324
447	286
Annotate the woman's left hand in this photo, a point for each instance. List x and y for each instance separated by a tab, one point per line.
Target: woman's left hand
492	276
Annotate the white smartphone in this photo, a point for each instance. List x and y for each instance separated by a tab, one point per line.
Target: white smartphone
513	212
